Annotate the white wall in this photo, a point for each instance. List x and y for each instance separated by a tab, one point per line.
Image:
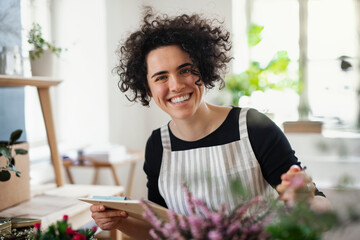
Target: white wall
82	98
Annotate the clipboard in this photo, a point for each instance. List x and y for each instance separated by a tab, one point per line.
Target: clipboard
132	207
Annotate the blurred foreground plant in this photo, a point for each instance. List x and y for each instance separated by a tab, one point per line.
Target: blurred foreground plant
256	218
62	231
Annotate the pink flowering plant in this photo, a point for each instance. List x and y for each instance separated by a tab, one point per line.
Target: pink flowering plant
62	230
255	218
202	223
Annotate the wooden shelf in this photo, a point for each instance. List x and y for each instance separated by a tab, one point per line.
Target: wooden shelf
15	81
43	85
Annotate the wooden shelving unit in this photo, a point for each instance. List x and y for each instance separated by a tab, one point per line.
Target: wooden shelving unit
43	85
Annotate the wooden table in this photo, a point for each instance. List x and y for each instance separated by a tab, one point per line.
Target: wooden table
131	157
50	203
43	85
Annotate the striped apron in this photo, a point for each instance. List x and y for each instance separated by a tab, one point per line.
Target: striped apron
208	172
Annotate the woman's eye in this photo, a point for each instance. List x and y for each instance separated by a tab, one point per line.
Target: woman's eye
185	70
160	78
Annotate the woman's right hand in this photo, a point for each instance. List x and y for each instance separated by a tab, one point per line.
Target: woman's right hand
107	219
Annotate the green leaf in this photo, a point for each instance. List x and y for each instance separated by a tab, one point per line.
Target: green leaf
279	63
254	35
21	151
15	135
4	175
12	161
13	168
6	152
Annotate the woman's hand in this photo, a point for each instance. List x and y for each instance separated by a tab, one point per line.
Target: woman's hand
107	219
296	185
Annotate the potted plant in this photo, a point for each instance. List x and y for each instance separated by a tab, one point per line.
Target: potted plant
14	190
6	151
41	57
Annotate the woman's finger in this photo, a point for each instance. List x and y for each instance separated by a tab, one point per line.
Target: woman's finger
97	208
109	214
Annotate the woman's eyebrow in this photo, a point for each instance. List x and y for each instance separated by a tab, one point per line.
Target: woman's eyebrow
183	65
159	73
179	67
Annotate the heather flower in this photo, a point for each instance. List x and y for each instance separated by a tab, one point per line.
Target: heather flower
197	225
298	181
256	218
203	223
215	235
154	235
183	223
150	215
189	200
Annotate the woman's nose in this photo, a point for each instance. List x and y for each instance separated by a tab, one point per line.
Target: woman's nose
176	84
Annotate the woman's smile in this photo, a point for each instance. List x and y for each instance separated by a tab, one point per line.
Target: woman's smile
180	99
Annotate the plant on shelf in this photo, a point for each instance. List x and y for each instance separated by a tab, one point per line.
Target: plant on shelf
256	78
35	38
7	153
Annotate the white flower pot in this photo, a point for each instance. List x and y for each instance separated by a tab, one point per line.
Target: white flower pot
43	66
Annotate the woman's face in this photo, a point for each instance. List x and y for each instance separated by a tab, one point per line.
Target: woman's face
171	83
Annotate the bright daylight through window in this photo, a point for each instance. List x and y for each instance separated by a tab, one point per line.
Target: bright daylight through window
332	58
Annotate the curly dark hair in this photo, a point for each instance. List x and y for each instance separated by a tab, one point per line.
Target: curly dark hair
207	46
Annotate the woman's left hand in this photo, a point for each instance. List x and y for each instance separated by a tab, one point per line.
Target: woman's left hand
295	186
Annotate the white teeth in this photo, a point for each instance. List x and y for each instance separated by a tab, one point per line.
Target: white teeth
180	99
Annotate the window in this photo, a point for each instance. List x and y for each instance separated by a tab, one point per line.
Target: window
332	92
331	33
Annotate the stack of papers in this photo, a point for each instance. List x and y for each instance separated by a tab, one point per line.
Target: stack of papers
107	153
